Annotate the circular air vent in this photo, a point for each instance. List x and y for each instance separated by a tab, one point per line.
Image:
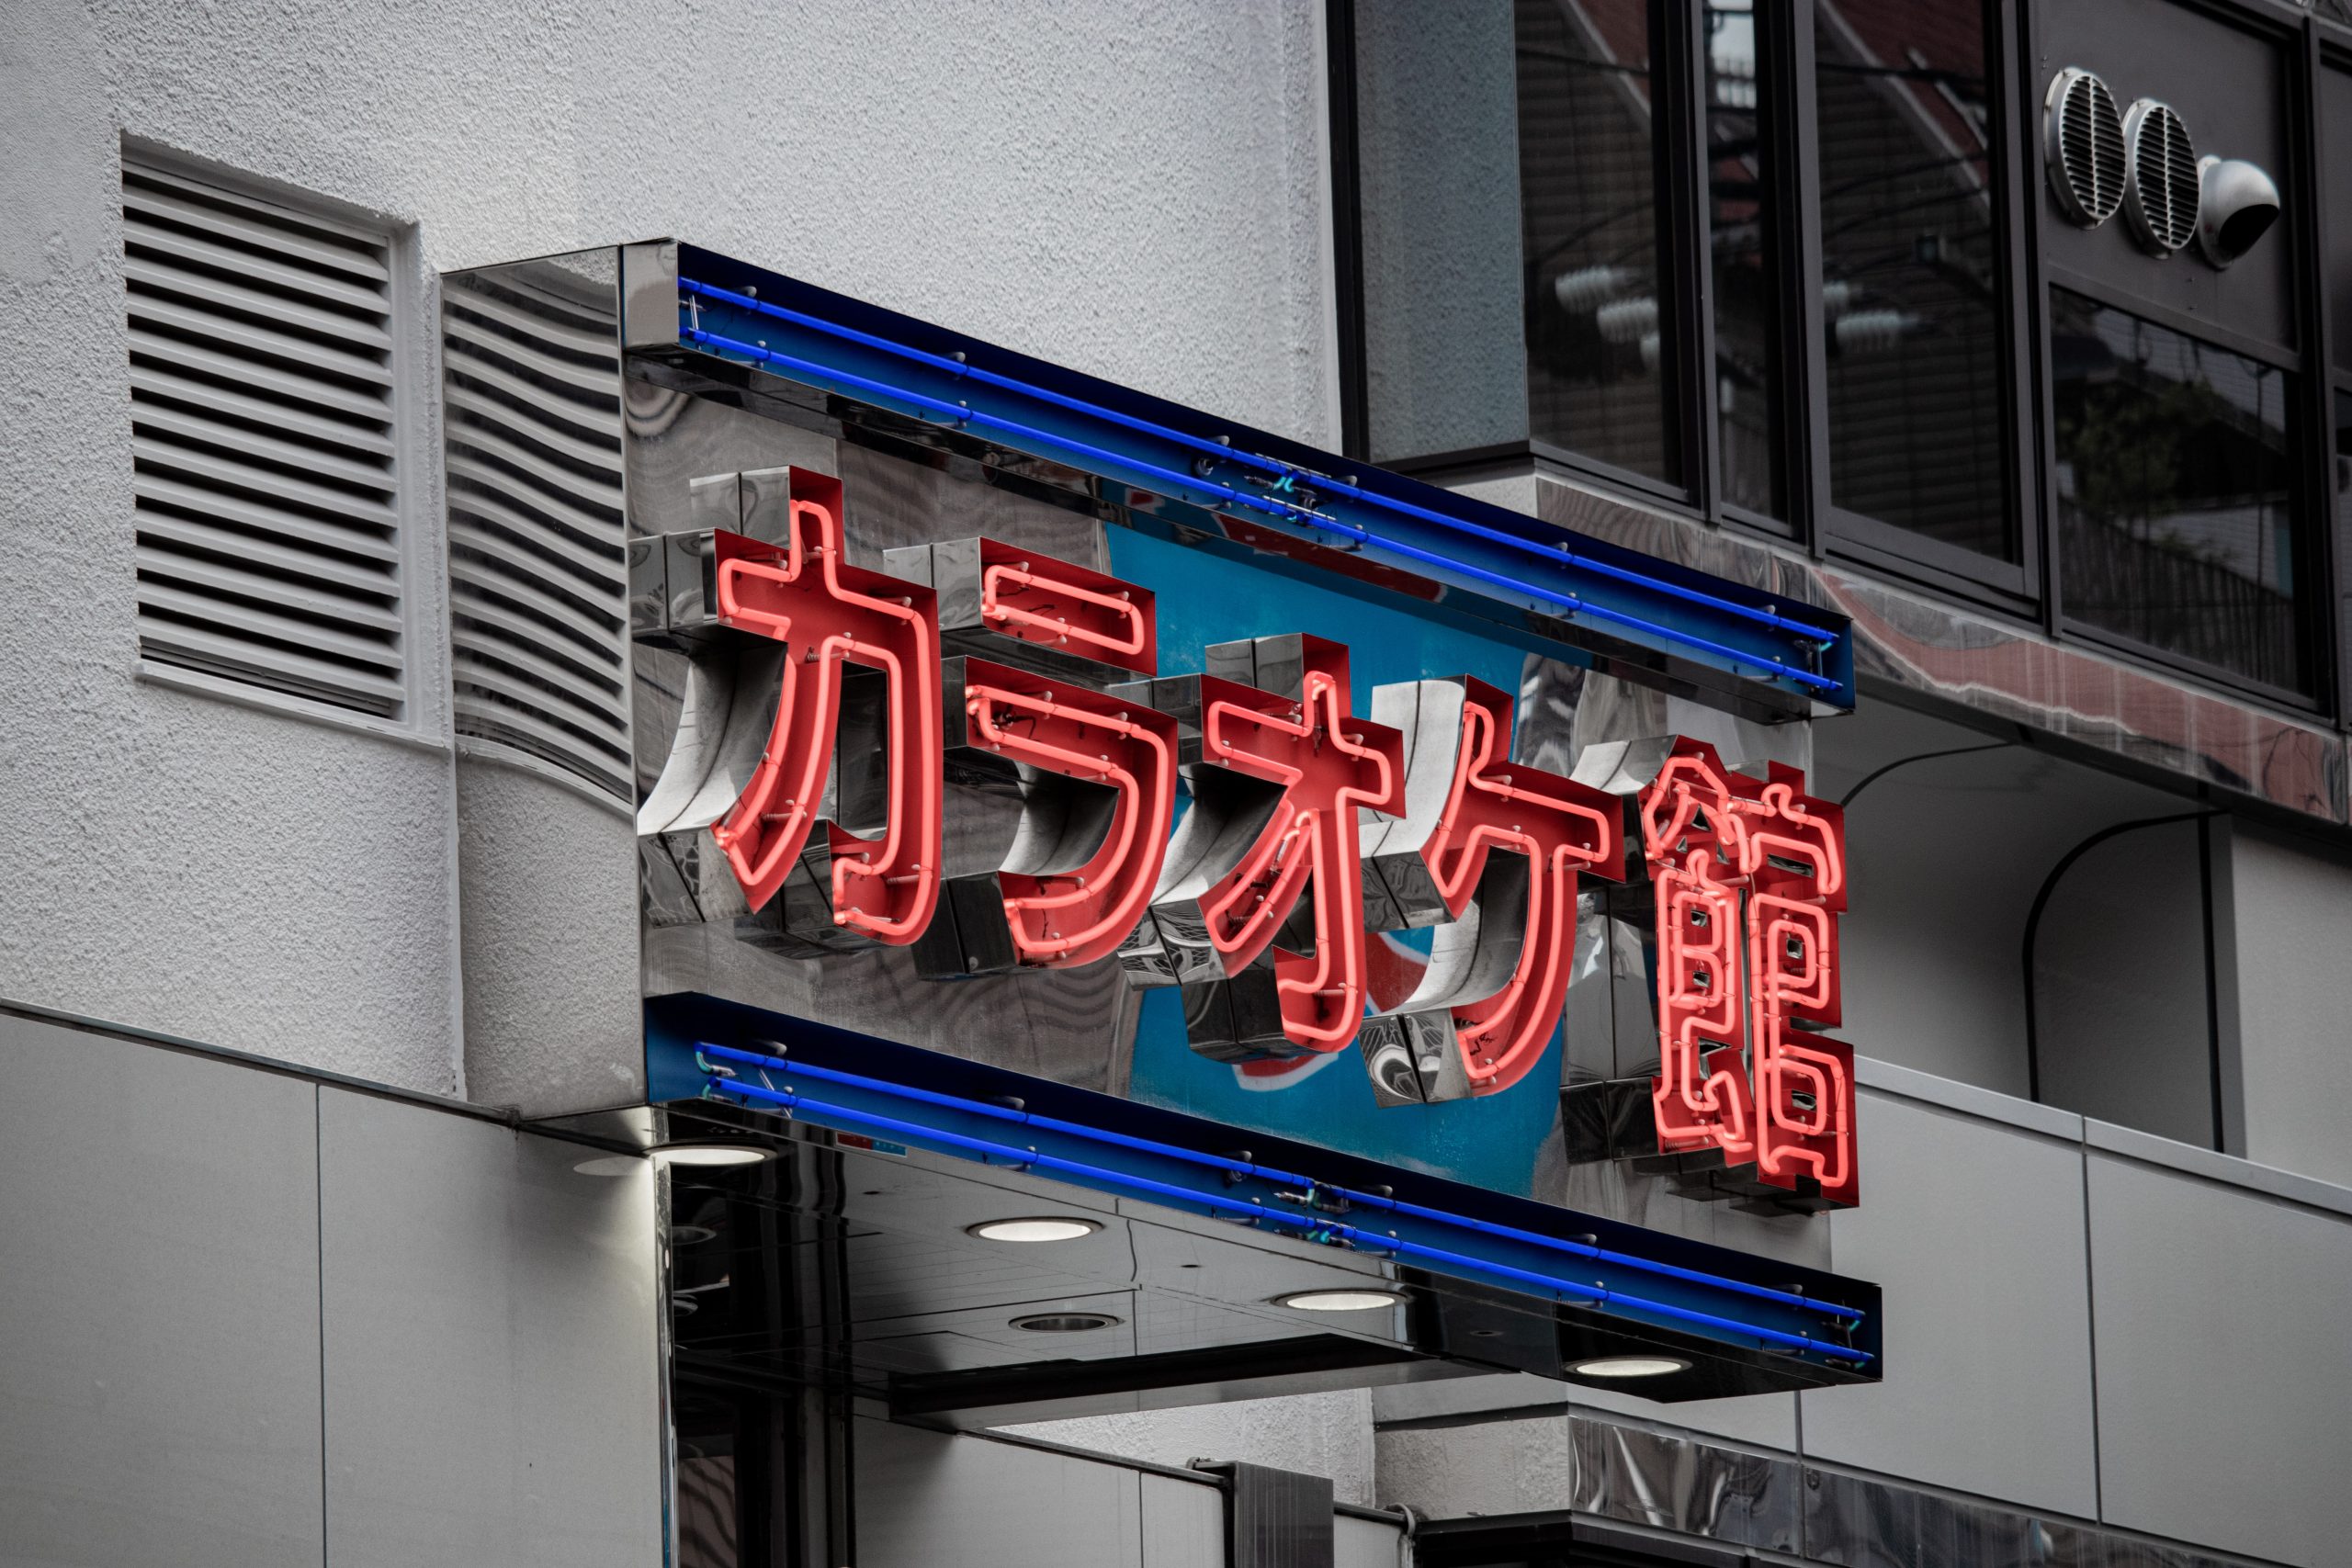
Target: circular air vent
2084	141
2160	193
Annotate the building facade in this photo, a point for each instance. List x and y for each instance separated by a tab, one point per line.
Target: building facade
2009	343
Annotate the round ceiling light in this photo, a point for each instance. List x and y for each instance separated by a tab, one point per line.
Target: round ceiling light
710	1157
610	1164
1340	1300
1628	1367
1063	1322
1034	1227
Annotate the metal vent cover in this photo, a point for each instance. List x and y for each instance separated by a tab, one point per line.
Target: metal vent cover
263	450
2161	193
2083	137
539	569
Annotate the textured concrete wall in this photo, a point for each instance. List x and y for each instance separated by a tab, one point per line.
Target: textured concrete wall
1132	189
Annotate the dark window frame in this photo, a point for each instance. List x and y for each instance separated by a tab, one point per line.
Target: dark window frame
2012	587
2031	590
2297	39
2326	46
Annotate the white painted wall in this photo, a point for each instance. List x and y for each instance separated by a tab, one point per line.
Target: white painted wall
1130	188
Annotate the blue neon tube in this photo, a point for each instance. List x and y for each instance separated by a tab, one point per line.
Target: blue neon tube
1218	1163
1289	512
1312	1226
1230	1167
964	370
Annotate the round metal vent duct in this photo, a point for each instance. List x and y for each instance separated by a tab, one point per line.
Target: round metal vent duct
2160	193
2083	140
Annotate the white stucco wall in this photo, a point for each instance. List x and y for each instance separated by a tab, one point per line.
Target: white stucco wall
1134	189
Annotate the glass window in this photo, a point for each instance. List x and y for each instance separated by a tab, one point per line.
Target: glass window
1437	169
1597	357
2336	212
1908	251
2175	511
1748	355
2343	520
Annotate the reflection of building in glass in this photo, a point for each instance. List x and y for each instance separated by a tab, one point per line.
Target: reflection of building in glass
1747	359
1596	354
1909	240
2175	518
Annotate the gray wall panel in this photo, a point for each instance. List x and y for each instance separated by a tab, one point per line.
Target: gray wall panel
2293	909
490	1339
1974	1232
928	1500
159	1402
1363	1543
1183	1524
2224	1366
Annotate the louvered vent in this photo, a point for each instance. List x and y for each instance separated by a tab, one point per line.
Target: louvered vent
261	434
539	578
2084	146
2160	193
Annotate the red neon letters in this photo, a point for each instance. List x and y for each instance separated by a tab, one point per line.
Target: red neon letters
826	611
1329	763
1710	836
983	733
1561	828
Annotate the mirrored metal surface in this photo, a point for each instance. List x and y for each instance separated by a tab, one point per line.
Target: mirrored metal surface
1949	655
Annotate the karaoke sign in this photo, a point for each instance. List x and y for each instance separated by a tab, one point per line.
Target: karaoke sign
973	754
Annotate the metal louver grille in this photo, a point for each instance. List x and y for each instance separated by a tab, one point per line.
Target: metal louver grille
2162	190
539	577
268	547
2085	147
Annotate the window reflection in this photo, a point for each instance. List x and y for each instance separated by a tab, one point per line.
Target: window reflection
2343	512
1445	357
2176	515
1909	296
1746	283
1596	349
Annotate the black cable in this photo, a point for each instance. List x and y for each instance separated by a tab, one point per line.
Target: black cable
1869	779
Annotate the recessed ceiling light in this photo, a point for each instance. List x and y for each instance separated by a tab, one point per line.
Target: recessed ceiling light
1063	1322
708	1156
1339	1300
1034	1227
1628	1367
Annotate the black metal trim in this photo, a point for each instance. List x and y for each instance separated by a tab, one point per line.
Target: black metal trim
1344	130
941	1393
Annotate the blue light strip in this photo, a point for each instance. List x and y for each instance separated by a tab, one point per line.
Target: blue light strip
1245	1169
1310	1227
1772	666
964	370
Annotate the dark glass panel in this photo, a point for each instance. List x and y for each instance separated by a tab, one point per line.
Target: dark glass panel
1445	355
1747	285
1909	268
2344	529
2335	217
1598	349
2176	505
